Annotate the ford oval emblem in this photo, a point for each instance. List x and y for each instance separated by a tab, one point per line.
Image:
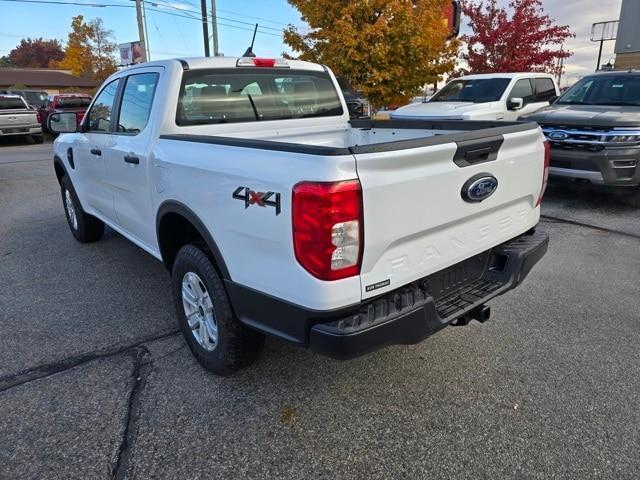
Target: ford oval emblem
479	188
558	135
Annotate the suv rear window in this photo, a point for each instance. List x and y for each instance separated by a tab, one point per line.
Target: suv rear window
72	102
234	95
10	103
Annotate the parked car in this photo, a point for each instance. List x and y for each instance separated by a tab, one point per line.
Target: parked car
66	102
16	118
276	214
495	96
34	98
594	132
357	103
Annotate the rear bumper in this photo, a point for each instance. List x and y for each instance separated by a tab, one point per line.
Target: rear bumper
406	315
21	130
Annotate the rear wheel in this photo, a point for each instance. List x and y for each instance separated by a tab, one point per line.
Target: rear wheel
84	227
216	338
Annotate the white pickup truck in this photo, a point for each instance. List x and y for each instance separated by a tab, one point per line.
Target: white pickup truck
277	215
489	96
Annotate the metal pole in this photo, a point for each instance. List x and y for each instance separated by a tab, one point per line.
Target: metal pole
214	27
146	30
205	27
141	30
599	55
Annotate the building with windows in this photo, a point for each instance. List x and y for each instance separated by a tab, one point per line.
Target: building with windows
628	40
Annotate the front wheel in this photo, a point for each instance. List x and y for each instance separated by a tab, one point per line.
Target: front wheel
84	227
216	338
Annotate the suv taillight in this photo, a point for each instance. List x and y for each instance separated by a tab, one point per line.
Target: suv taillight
328	228
545	173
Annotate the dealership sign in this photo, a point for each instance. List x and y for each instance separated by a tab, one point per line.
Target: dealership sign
130	53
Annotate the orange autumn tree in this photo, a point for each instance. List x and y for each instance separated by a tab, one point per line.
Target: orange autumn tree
387	48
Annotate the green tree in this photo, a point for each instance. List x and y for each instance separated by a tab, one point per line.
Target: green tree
386	48
90	49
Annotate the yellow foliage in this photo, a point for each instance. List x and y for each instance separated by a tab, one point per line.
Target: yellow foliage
386	48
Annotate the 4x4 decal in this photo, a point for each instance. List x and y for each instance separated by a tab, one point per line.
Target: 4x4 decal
261	199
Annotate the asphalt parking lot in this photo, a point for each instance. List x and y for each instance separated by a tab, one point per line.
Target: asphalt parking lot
96	383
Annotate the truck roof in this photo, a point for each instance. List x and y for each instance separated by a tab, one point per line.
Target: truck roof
196	63
479	76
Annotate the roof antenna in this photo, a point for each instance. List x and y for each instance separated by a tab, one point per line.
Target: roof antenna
249	51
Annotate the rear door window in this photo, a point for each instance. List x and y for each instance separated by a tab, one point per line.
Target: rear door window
234	95
135	106
523	89
545	89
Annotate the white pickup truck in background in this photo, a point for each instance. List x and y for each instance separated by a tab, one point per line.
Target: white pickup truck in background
17	119
277	215
491	96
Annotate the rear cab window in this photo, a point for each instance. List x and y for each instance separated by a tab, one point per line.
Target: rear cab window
237	95
12	103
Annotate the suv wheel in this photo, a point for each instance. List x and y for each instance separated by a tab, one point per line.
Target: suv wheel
84	227
216	338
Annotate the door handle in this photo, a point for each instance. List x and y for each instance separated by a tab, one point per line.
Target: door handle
96	151
131	159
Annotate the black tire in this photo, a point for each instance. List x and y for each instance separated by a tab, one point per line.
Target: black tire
37	139
237	345
87	228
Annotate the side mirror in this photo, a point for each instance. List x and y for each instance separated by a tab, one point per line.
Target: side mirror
63	122
515	103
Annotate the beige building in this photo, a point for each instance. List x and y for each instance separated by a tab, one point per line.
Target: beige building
47	79
628	38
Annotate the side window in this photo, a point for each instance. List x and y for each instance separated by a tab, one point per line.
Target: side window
99	117
136	103
522	89
545	90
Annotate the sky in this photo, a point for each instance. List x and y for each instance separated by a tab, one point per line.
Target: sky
173	32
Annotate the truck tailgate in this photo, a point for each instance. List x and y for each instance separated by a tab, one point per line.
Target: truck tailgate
16	119
416	221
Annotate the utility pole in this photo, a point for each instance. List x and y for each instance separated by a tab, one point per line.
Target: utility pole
146	30
214	27
143	44
205	27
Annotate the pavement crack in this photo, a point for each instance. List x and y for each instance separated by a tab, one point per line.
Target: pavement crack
42	371
140	373
551	219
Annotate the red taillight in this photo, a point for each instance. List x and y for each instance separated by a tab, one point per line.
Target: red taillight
264	62
38	116
545	173
328	228
79	117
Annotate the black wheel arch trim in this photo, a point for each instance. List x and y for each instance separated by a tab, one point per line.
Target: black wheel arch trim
58	161
174	206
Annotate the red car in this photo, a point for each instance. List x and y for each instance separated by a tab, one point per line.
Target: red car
65	102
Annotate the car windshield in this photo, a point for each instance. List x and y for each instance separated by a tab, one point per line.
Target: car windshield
73	102
477	91
10	103
604	90
36	98
214	96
